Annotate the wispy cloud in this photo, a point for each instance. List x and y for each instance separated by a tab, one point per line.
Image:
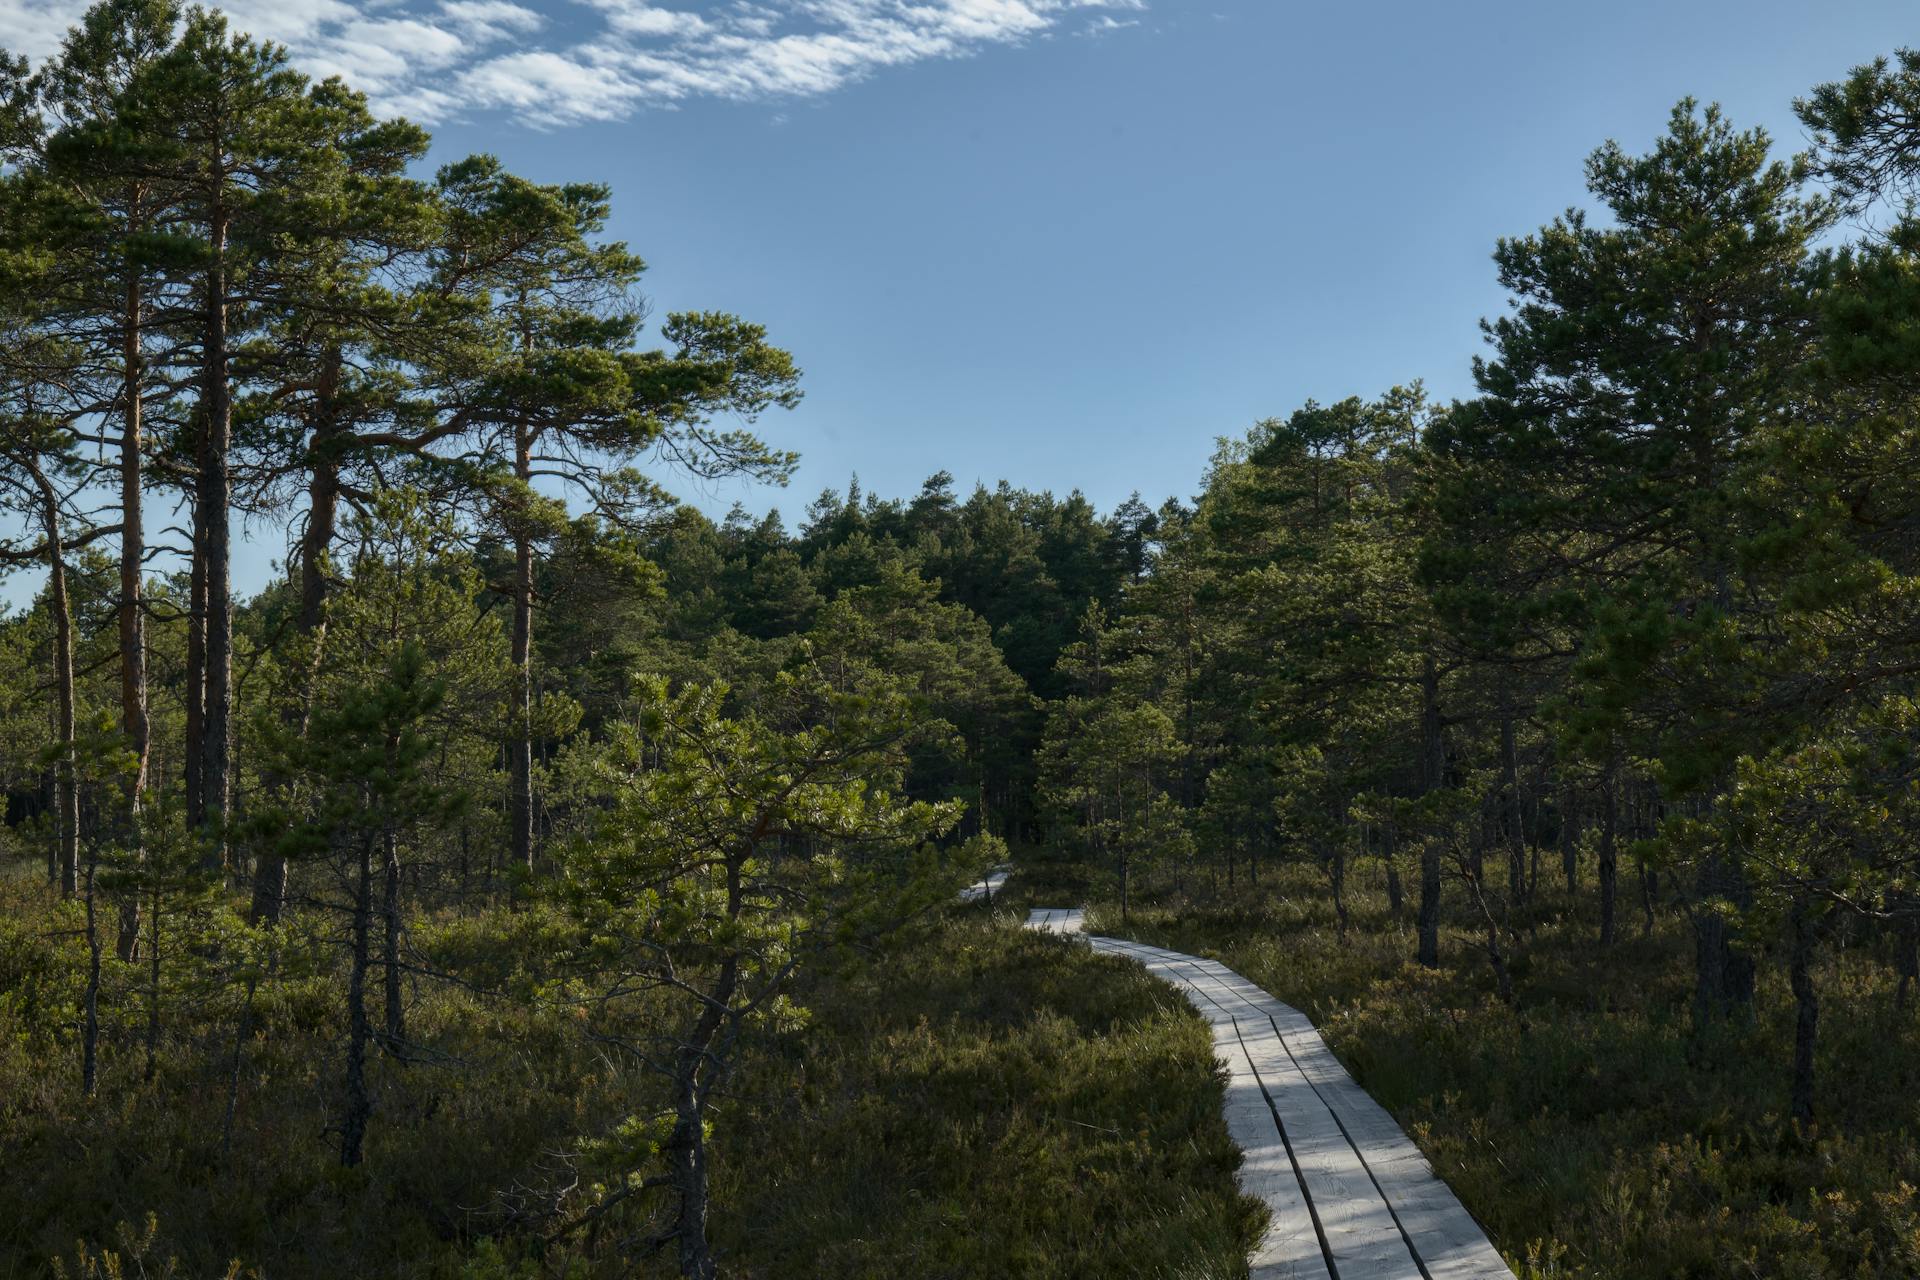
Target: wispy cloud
571	61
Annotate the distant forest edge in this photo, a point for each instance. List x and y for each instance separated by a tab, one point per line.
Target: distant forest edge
483	897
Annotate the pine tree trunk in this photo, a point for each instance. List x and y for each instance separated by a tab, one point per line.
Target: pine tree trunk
1534	847
1496	954
694	1075
90	997
1569	839
359	1105
66	791
1609	851
1433	770
193	763
1337	873
1510	802
50	804
688	1162
240	1033
1483	835
1806	1022
390	959
323	506
1906	945
520	748
1396	895
153	985
134	723
1723	975
215	497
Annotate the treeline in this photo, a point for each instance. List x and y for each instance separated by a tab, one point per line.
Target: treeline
521	803
1642	608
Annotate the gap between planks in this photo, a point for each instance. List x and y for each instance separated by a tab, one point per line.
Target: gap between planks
1349	1196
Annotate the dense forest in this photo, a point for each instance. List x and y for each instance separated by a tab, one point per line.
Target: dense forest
538	877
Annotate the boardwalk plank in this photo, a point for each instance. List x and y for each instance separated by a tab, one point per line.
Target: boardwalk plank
1361	1233
1290	1246
1425	1214
1057	920
987	887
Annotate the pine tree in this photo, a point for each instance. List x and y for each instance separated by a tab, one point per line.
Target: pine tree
1638	365
739	849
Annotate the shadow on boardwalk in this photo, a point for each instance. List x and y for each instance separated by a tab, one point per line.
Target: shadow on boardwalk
1350	1196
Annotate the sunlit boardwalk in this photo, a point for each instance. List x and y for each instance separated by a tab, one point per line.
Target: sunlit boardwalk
1057	919
984	889
1350	1196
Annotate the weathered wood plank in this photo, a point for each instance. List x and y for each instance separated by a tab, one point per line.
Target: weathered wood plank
1067	920
985	888
1443	1233
1290	1248
1362	1237
1427	1221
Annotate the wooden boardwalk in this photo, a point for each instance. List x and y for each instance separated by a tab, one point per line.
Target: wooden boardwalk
1057	919
1351	1197
983	890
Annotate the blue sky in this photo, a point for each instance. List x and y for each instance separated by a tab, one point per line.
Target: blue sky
1064	242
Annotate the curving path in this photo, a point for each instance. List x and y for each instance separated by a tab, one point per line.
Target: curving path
1351	1197
982	890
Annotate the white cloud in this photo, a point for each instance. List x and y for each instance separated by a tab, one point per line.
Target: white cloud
298	24
34	27
640	18
482	20
549	88
435	59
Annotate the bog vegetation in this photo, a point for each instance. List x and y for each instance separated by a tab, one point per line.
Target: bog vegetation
538	877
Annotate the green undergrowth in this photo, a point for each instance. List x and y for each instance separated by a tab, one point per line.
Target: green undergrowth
970	1102
1587	1126
983	1102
